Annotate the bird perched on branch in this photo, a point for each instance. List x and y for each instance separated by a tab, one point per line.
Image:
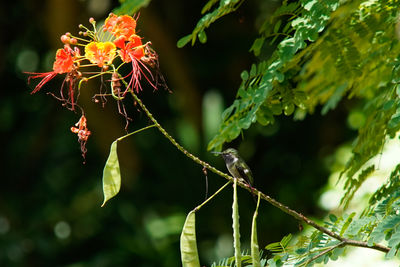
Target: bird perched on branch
237	166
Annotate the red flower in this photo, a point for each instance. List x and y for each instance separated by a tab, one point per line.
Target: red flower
130	50
120	26
63	63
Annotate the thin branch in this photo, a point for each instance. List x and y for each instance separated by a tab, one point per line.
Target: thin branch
255	191
343	243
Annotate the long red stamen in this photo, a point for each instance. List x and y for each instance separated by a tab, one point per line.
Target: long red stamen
47	76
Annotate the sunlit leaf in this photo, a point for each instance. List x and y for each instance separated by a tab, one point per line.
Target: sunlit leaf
111	175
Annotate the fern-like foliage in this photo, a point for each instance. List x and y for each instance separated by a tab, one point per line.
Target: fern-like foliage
379	224
392	184
225	7
326	52
314	248
246	261
267	89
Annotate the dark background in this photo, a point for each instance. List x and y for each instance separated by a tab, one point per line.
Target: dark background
50	212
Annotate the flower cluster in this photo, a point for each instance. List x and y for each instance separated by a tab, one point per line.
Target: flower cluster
106	48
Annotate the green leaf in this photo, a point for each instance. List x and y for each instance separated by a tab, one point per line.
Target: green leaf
255	251
394	240
257	45
208	6
347	223
332	218
391	253
277	26
382	228
111	175
202	37
288	109
280	246
334	99
189	254
130	7
244	75
183	41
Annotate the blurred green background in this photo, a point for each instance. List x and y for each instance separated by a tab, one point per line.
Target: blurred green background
50	201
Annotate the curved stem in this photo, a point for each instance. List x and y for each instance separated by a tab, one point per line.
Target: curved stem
135	132
255	191
176	144
211	197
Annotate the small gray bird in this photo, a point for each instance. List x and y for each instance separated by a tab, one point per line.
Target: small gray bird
236	165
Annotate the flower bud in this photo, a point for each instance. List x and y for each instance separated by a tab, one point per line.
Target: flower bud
65	39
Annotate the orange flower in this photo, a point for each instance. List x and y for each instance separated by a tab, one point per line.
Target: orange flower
64	61
130	50
100	53
120	26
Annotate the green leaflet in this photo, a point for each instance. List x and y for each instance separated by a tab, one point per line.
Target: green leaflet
383	228
183	41
392	184
279	247
208	6
202	36
353	184
189	254
255	251
130	6
235	225
111	175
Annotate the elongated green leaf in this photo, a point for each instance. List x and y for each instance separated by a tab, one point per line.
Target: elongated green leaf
189	254
183	41
111	175
255	250
235	225
208	6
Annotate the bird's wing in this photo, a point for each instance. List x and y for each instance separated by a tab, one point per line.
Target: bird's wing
246	174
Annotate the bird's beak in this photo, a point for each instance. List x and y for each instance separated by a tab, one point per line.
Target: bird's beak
216	152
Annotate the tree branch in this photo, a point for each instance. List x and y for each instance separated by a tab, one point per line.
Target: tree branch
255	191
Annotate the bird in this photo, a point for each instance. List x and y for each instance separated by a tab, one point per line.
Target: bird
236	166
